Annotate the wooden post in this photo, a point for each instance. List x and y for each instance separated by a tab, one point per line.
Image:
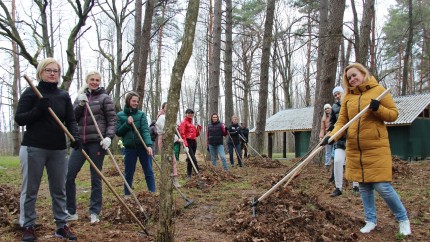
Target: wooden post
284	145
270	144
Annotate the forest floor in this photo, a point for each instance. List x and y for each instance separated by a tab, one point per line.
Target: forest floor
221	211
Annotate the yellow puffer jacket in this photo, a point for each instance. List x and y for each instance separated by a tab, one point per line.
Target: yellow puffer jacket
368	154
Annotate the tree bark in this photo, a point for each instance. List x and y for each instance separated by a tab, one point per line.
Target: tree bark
82	12
16	77
165	230
143	59
366	24
327	76
137	41
408	49
228	62
264	76
214	69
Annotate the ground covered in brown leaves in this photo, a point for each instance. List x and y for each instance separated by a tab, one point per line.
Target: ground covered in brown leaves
221	208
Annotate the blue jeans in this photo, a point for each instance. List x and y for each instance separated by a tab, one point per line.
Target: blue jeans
238	154
387	192
130	161
215	150
328	155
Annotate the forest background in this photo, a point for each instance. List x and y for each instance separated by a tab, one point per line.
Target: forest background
248	58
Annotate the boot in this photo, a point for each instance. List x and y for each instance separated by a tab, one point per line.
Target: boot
176	182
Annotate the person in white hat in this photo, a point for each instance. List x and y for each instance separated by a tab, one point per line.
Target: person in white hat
325	124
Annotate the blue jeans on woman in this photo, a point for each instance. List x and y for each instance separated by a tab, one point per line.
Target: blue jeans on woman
387	192
215	150
130	161
238	154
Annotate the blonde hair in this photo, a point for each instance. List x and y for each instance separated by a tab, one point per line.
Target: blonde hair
43	63
360	68
85	85
90	73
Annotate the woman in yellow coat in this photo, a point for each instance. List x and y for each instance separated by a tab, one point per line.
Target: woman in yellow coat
368	154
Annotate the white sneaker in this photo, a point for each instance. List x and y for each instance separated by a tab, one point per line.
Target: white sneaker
72	217
405	227
176	182
368	227
94	218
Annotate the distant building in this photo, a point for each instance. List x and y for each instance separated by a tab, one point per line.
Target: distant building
409	135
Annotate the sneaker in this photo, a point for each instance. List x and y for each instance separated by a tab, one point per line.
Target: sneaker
28	234
71	217
336	192
405	227
368	227
176	182
356	190
65	233
94	218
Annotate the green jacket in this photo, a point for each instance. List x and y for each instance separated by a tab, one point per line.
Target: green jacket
126	131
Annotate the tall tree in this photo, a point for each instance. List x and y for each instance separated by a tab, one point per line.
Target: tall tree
16	77
406	64
264	76
365	28
140	80
165	230
228	61
327	76
214	68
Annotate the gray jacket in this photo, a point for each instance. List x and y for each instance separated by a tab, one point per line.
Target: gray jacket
104	112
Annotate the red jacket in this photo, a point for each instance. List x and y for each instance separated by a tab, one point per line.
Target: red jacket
188	130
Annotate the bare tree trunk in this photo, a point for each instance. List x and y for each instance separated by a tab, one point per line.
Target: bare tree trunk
158	65
228	63
308	62
408	49
46	45
214	72
372	47
264	76
137	41
165	230
366	23
330	61
82	13
143	58
16	76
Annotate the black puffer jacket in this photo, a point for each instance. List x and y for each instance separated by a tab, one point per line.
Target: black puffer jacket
42	131
104	112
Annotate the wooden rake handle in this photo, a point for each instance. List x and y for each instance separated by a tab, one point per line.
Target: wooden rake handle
66	131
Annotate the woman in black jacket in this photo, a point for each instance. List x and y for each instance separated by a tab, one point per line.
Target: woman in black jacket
44	145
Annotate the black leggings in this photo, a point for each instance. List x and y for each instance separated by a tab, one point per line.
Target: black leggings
192	148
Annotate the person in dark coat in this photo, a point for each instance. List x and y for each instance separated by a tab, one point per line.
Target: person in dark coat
44	146
233	140
244	140
103	110
215	139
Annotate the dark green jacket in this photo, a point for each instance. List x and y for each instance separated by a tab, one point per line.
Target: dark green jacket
126	131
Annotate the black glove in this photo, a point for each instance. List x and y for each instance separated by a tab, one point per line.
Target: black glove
43	104
325	141
330	128
374	105
77	144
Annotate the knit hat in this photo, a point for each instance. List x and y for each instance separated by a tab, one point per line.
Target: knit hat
327	106
337	89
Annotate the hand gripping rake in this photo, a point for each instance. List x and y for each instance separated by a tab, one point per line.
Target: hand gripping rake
188	202
188	154
114	162
315	151
70	136
251	146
